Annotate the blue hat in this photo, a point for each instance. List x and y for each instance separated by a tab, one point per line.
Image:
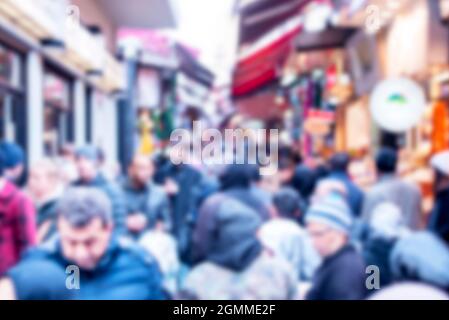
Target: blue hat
12	155
331	210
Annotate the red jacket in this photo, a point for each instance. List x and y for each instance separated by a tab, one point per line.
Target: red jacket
17	225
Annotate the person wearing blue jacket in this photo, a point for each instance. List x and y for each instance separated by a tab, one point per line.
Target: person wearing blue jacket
99	264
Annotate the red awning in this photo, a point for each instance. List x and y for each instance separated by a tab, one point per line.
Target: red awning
261	62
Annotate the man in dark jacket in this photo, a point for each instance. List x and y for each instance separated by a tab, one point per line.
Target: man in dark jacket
439	220
98	264
88	160
236	183
147	204
341	275
339	171
182	183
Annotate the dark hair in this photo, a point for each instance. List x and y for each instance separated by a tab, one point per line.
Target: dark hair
339	162
236	175
386	160
287	202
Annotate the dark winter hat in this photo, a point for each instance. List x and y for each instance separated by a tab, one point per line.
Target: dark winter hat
13	154
386	160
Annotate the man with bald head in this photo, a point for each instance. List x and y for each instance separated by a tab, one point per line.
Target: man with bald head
147	204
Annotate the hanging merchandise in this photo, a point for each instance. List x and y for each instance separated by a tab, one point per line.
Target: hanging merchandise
145	126
440	127
397	104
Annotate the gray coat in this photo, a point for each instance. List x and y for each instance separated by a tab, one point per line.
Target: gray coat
405	195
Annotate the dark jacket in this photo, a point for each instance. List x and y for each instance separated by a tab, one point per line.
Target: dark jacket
184	204
377	251
226	233
340	277
116	197
151	200
125	272
355	194
439	220
47	212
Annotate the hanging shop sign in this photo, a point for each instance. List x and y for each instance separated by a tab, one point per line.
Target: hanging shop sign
397	104
318	122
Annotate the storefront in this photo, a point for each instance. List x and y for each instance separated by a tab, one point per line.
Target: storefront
58	111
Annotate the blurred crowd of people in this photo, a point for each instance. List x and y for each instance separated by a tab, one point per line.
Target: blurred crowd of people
71	230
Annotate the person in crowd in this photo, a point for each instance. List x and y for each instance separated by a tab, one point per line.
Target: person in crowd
422	256
88	160
325	187
286	238
229	252
105	265
256	187
391	188
287	161
14	163
235	182
182	183
304	182
439	220
36	280
17	221
339	164
147	204
410	291
163	247
45	186
341	275
386	227
67	163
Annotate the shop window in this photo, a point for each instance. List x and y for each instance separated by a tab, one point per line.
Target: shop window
12	97
58	113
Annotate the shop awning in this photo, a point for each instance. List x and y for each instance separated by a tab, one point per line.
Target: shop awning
330	38
259	17
189	65
260	63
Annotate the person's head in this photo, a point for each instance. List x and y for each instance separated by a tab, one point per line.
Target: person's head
85	226
13	161
386	161
339	162
440	165
236	176
287	203
287	160
328	186
141	169
67	151
88	159
387	221
47	281
44	179
328	223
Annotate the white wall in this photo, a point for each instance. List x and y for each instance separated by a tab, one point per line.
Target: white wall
35	107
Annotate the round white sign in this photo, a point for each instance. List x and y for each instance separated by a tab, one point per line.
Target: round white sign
397	104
